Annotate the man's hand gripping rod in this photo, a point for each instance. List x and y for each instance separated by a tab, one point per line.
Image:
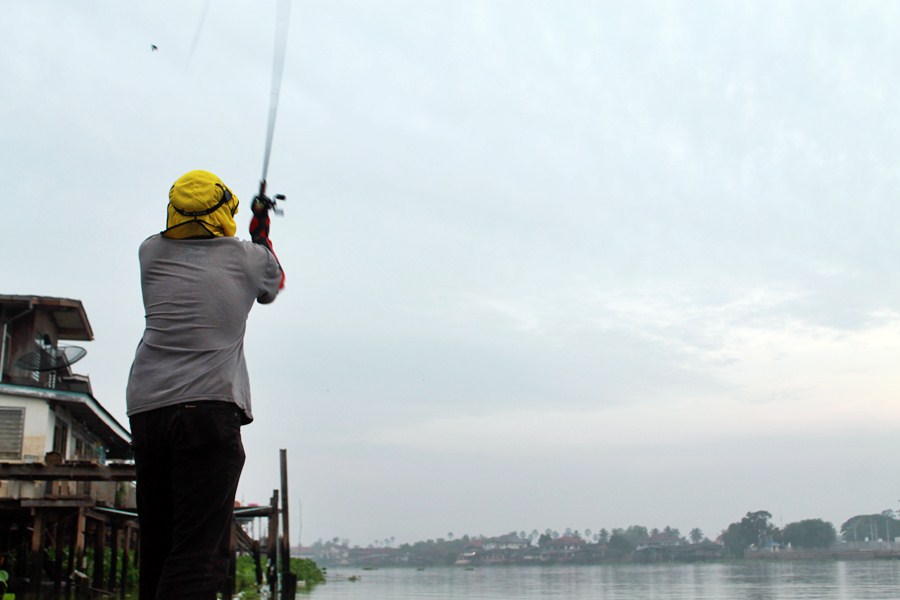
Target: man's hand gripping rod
267	202
259	224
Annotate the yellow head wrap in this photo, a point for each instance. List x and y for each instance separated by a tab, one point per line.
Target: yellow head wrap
200	205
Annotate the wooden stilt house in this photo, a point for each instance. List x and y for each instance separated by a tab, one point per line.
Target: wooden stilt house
66	480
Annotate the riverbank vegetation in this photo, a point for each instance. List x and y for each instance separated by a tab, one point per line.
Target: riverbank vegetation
753	536
246	582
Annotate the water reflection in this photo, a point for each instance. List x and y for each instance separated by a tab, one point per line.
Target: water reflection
745	580
750	580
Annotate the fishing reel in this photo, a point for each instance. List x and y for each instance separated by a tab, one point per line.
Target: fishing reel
270	203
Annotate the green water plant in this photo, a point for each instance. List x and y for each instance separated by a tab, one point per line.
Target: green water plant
308	571
305	569
4	584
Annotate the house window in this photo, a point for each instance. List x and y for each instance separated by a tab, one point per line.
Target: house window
83	449
60	438
12	427
80	448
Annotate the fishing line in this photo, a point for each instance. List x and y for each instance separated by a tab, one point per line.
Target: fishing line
282	18
197	32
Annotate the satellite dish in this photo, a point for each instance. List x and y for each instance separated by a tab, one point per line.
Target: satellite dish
50	359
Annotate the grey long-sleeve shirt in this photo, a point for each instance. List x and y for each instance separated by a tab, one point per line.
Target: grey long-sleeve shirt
197	295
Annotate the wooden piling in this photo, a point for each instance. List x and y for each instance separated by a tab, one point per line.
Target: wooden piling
113	556
288	579
257	559
37	554
126	555
99	554
73	543
58	532
80	525
272	554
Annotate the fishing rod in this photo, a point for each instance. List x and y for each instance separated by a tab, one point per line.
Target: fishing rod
282	18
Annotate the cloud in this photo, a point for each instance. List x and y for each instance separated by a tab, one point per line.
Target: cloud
776	386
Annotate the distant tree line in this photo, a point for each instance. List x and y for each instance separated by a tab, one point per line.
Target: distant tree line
753	532
626	539
756	531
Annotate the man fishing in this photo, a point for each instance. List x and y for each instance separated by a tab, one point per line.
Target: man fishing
188	391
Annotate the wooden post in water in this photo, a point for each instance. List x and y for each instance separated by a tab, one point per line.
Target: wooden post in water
126	556
99	554
37	553
113	556
272	554
257	559
59	530
288	579
80	525
74	534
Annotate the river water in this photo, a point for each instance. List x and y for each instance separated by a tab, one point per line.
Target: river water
746	580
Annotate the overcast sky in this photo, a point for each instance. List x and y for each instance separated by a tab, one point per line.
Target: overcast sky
549	264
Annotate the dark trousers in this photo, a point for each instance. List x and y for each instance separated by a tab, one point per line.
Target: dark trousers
188	460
